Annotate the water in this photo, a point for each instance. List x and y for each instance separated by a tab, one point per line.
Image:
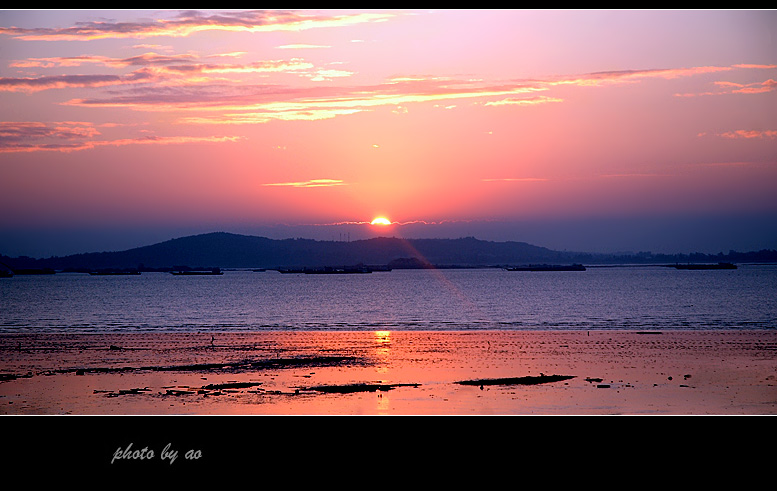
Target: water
633	298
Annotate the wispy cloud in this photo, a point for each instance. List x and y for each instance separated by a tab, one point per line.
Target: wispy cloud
313	183
324	74
266	117
163	82
146	59
752	65
77	136
750	134
629	76
159	69
724	164
35	84
531	101
515	179
302	46
754	88
636	175
348	100
191	22
269	66
16	131
724	87
256	104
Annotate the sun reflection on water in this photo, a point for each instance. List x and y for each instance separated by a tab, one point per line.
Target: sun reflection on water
382	352
382	336
383	348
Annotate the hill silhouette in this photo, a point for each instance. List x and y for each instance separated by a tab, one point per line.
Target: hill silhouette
226	250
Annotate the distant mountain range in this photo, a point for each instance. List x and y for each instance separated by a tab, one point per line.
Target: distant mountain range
225	250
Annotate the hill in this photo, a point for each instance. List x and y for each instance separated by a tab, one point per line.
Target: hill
227	250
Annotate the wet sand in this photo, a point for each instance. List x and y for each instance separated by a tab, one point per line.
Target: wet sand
391	373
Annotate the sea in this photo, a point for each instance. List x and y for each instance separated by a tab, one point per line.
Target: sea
641	298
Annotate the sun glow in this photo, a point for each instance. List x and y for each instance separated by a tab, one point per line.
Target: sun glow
381	221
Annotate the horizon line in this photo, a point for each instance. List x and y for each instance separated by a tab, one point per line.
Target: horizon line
217	232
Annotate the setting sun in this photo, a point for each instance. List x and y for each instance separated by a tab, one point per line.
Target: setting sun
381	221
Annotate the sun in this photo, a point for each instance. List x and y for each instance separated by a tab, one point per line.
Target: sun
381	221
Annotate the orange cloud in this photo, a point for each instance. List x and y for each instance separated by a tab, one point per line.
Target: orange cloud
745	65
749	134
757	88
754	88
737	88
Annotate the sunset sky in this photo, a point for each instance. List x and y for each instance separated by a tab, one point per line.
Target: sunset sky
578	130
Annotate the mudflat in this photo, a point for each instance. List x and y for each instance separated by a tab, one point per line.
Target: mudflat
391	373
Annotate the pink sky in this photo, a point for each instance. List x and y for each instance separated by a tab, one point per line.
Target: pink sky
252	119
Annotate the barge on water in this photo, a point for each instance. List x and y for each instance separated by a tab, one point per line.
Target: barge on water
114	273
705	266
328	270
212	272
548	267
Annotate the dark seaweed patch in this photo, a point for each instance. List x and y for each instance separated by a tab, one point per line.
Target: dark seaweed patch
231	385
528	380
278	363
351	388
121	392
4	377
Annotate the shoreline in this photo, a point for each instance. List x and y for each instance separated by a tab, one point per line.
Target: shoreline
612	372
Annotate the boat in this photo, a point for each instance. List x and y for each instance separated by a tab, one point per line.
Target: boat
548	267
32	271
358	269
344	270
706	266
113	273
5	270
212	272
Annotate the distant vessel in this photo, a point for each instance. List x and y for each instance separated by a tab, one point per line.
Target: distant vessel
214	271
706	266
5	271
344	270
548	267
358	269
34	271
113	273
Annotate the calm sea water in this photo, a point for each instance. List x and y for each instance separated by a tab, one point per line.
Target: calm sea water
633	298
